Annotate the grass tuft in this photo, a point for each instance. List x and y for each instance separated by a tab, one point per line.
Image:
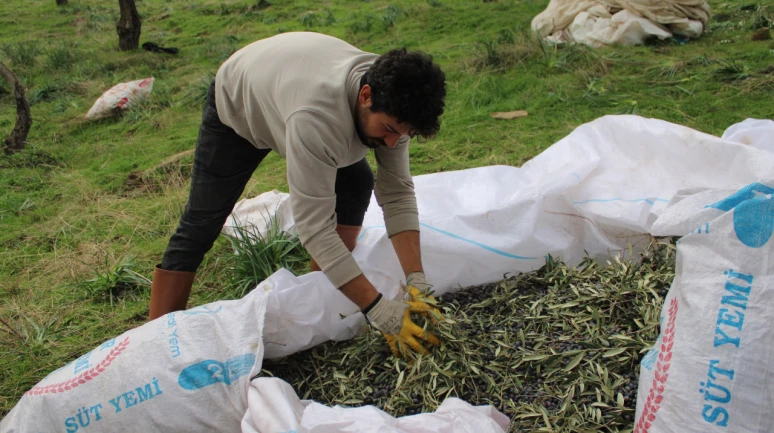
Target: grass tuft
22	53
732	71
196	93
150	108
667	72
392	14
114	281
309	19
31	157
258	255
48	92
362	25
505	51
61	57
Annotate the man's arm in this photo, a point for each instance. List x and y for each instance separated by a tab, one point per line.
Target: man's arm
360	291
311	167
394	189
406	245
312	177
395	194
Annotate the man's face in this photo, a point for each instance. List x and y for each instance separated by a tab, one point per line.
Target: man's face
376	129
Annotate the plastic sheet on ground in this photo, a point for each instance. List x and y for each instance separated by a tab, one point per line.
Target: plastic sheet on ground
597	191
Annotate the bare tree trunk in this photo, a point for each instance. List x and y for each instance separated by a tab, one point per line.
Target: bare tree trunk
128	26
15	142
61	2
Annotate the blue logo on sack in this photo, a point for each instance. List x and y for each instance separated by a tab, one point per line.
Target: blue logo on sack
210	372
753	213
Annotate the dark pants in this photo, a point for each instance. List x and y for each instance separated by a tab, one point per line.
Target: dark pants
223	163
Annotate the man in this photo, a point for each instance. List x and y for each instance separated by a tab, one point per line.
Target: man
321	104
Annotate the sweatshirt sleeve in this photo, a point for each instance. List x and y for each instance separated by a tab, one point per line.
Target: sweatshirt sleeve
394	188
311	160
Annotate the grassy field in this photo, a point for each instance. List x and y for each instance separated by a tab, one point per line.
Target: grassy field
86	210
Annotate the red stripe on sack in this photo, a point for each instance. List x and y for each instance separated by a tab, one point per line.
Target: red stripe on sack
653	403
82	378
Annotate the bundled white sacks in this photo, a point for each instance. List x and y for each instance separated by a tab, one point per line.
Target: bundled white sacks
628	22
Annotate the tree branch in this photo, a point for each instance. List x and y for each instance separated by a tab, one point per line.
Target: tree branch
15	142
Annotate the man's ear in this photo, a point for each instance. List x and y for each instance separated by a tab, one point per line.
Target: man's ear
365	96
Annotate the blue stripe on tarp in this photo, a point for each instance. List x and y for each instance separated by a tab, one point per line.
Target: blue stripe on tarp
458	237
478	244
608	200
366	229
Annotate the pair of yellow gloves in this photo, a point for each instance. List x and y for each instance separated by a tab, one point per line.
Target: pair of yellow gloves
393	318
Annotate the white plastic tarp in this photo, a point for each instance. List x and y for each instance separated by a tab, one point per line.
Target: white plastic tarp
287	413
597	192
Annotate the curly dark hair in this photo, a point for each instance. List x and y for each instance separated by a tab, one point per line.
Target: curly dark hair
409	86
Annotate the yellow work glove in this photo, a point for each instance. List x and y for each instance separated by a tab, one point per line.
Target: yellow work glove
393	319
419	290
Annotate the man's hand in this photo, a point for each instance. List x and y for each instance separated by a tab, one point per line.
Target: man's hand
417	279
393	318
418	291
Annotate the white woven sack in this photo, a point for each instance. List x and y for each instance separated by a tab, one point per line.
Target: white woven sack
186	371
120	97
710	370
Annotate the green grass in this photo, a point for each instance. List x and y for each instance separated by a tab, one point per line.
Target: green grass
258	255
69	204
114	281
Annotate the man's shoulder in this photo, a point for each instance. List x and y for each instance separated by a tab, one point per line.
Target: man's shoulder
305	39
309	45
